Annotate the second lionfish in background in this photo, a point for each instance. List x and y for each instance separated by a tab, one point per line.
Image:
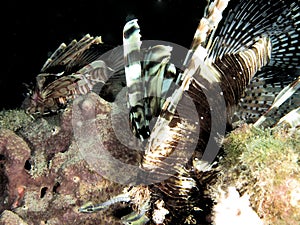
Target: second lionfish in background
245	67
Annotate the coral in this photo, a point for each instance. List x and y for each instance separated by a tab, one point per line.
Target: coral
263	164
52	133
10	218
15	152
70	182
44	177
100	132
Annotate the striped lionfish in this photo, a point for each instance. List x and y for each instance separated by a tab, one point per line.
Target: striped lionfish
243	67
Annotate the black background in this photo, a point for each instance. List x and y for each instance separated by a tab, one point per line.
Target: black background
33	30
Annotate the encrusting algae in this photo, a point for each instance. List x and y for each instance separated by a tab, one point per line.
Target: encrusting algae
14	119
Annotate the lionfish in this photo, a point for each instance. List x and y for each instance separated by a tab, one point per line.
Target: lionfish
244	67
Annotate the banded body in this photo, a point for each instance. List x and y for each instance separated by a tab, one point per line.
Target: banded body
132	44
219	67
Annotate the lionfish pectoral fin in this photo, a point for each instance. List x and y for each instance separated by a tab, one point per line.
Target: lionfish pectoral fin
283	66
282	97
292	119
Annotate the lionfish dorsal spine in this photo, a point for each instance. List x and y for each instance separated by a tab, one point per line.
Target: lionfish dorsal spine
133	74
155	67
196	57
204	33
209	23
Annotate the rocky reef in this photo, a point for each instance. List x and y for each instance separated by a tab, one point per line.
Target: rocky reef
44	178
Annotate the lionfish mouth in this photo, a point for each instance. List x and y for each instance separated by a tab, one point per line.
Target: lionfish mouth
240	68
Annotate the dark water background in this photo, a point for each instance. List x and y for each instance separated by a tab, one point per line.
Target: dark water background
33	30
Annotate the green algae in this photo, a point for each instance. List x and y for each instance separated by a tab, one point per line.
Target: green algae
264	163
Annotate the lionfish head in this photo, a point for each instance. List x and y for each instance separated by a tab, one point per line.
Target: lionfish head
39	99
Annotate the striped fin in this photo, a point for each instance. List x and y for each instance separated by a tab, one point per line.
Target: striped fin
72	57
285	42
52	97
107	74
59	88
261	92
178	190
59	77
209	22
164	162
54	91
250	19
282	97
103	76
292	119
133	73
205	29
158	78
148	81
279	21
238	69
